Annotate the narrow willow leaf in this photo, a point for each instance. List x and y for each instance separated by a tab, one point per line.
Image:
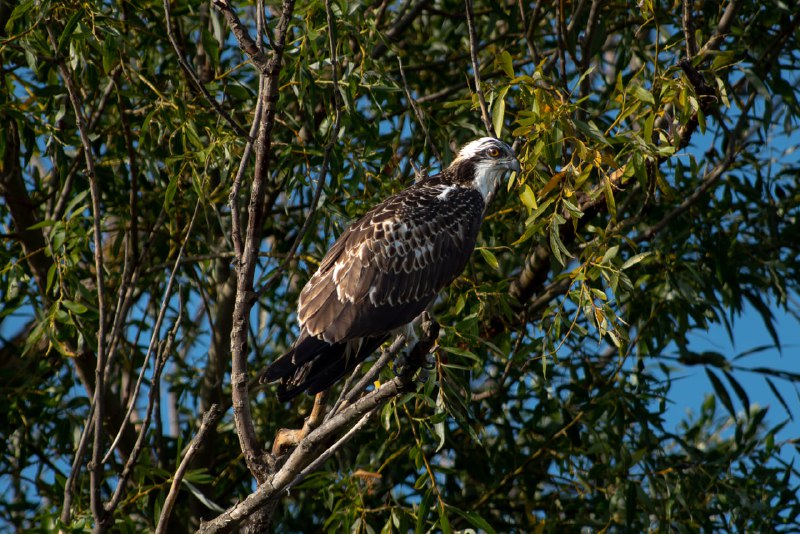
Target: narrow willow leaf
721	392
490	258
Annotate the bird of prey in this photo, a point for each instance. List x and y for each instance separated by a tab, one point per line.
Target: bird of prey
388	266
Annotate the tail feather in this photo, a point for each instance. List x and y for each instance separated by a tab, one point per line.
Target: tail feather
313	367
305	349
322	377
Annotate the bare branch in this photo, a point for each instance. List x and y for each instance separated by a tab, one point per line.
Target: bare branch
236	187
688	30
209	422
155	388
250	47
473	47
418	112
723	26
96	471
154	336
323	173
80	452
300	459
322	458
193	77
372	374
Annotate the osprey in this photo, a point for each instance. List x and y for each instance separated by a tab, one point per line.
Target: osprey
388	266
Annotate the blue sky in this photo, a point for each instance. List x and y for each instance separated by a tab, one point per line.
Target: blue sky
691	385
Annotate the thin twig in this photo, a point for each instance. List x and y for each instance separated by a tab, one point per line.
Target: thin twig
345	388
473	49
96	471
155	388
323	173
154	336
418	112
193	77
69	487
373	372
528	28
322	458
209	421
233	196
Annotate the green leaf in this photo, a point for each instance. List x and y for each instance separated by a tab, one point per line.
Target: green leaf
527	197
609	194
18	12
499	112
610	254
643	94
490	258
169	195
444	522
506	63
208	503
75	307
69	28
424	508
474	519
633	260
778	395
740	392
722	393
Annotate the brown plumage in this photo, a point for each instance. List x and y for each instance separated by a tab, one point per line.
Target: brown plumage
388	266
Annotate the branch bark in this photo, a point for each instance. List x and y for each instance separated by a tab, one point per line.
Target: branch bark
305	457
255	457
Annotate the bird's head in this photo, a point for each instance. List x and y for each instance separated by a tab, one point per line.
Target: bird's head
482	163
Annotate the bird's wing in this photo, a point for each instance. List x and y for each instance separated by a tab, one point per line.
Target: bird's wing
388	266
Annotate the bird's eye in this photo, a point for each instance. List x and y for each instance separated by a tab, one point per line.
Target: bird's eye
493	152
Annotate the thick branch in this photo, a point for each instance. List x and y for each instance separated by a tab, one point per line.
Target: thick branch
305	456
245	297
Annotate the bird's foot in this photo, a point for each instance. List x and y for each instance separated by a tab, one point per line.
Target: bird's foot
287	438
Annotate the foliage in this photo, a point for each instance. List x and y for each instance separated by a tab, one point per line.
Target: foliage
656	199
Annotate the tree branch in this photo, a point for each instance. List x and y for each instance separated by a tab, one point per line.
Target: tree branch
473	48
155	389
193	77
299	462
246	43
323	173
96	470
209	422
245	296
418	112
154	336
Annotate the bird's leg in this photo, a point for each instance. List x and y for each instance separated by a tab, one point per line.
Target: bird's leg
288	438
420	345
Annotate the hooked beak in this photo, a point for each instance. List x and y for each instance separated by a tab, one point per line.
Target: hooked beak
513	165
